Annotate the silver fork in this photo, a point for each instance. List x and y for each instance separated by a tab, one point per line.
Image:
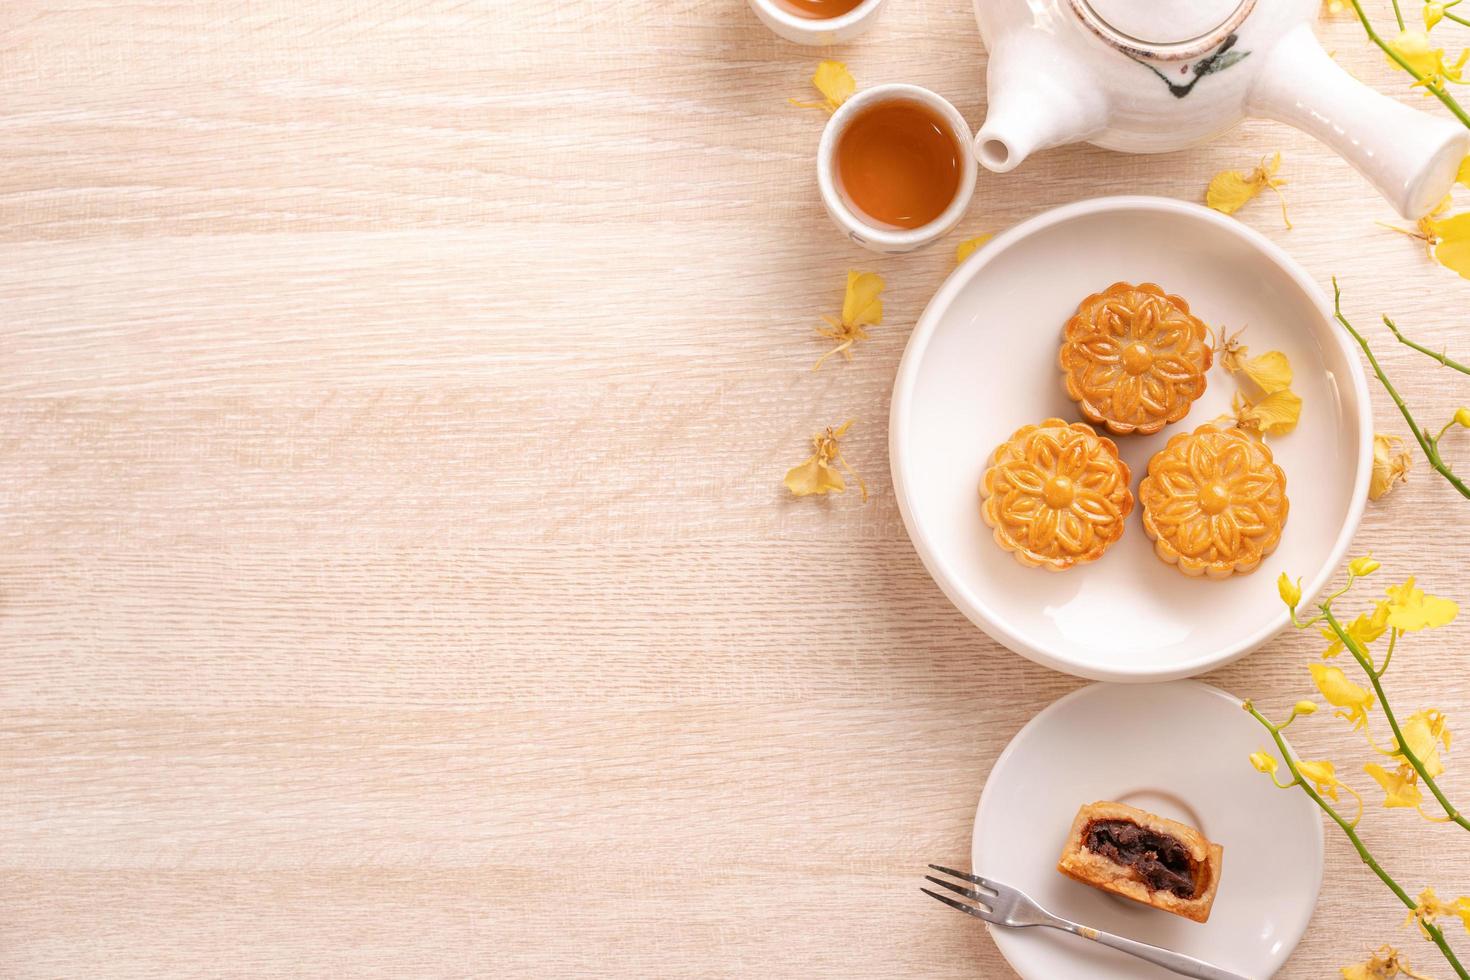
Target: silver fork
1003	905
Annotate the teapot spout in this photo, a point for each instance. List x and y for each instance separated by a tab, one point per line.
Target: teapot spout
1410	156
1031	108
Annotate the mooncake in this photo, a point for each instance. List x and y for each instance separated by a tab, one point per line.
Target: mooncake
1140	855
1056	494
1214	502
1134	359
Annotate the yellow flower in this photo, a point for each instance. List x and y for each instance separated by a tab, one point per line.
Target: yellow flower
1274	415
1452	242
1385	964
1424	733
1411	609
861	307
1363	566
1364	630
1264	762
967	248
1462	417
1415	49
1230	190
1430	908
836	84
1304	708
1291	592
1390	465
1433	14
1425	229
1343	693
819	474
1401	787
1323	775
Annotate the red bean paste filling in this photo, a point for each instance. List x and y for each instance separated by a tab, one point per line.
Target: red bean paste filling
1158	859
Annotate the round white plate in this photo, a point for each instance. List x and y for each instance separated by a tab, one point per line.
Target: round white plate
982	362
1179	750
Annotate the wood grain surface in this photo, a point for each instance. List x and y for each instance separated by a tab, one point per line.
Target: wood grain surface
395	575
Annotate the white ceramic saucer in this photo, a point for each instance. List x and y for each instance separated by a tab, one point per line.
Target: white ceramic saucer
982	362
1179	750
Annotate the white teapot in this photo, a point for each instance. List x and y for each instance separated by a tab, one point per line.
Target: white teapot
1148	76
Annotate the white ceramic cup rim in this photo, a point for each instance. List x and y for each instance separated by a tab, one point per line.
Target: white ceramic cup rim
837	205
817	25
901	407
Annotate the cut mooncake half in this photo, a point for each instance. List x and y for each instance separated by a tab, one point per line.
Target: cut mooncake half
1145	857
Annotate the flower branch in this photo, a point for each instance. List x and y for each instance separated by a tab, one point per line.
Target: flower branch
1428	444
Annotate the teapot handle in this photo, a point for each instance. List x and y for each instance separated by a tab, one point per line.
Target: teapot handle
1410	156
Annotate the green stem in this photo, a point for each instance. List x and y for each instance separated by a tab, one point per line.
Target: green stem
1393	639
1457	19
1430	452
1398	59
1398	15
1352	835
1402	744
1439	356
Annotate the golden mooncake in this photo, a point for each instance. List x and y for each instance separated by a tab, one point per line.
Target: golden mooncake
1214	501
1143	856
1056	494
1134	359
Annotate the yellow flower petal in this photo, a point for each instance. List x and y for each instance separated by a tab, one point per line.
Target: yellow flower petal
1453	250
1342	693
1322	774
1291	592
1230	190
967	248
1411	609
1419	53
1274	415
1433	14
834	81
861	304
1363	566
1424	733
1462	176
1365	630
1462	417
1264	762
1390	465
1385	964
814	476
1271	372
1400	787
821	472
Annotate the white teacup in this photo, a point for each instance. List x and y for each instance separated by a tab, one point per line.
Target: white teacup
861	229
816	31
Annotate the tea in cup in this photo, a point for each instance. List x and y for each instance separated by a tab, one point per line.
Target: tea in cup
895	167
817	22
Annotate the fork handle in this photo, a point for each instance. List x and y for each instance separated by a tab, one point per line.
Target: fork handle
1185	965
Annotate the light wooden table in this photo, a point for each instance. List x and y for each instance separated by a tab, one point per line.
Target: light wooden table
396	578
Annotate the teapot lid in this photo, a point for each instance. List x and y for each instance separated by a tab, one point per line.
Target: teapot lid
1164	28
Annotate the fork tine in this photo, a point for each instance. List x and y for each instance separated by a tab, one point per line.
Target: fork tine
961	906
985	900
973	879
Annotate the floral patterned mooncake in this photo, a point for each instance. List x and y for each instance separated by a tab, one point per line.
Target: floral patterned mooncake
1214	501
1056	494
1134	359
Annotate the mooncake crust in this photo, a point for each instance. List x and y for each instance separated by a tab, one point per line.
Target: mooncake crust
1056	495
1134	358
1214	501
1080	863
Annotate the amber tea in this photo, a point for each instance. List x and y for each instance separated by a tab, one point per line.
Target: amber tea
898	164
818	9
